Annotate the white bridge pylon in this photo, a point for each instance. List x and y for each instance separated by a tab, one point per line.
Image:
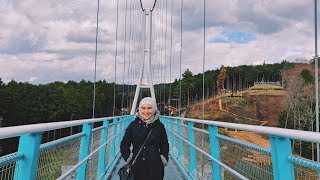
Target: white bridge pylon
147	40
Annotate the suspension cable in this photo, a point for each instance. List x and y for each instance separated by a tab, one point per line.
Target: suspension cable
316	74
141	6
154	4
165	53
181	11
157	50
129	50
160	50
133	54
203	76
139	45
95	76
115	62
170	91
204	56
95	62
124	53
162	53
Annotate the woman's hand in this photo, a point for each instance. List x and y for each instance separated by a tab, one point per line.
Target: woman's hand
164	161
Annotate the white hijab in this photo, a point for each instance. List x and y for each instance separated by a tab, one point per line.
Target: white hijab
156	113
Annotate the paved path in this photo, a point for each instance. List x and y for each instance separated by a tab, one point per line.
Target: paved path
170	171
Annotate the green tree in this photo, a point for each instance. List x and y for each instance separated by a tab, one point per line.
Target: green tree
188	83
307	76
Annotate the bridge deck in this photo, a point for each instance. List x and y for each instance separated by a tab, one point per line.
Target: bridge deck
170	171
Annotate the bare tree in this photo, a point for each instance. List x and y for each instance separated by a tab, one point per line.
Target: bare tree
300	101
220	80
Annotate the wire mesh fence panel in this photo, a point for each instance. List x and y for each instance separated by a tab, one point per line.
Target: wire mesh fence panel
226	175
108	146
303	173
55	161
184	134
110	131
184	129
306	151
7	171
250	163
203	163
92	165
117	141
204	170
174	129
110	135
118	138
202	141
176	140
106	160
95	140
186	159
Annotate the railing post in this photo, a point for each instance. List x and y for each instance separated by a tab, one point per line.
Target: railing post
280	151
167	124
192	152
121	121
29	146
84	150
180	143
126	123
102	156
172	136
215	152
113	143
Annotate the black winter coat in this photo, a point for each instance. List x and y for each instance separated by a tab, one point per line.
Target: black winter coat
148	165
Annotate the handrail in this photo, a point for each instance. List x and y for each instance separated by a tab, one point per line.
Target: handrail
230	170
244	144
290	133
304	162
190	171
10	158
280	151
28	158
13	131
86	158
60	141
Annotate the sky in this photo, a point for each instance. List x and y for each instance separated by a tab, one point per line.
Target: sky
55	40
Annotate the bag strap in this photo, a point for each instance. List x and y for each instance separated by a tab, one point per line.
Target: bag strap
134	161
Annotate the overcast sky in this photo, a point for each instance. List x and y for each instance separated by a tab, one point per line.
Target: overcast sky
54	40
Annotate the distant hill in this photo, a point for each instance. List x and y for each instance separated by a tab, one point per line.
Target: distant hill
252	107
261	103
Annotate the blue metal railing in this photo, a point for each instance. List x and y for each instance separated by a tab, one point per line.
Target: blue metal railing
26	163
223	163
198	153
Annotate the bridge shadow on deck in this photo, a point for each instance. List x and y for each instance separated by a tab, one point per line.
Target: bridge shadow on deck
170	171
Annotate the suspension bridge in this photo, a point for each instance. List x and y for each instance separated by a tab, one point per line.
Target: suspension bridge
198	148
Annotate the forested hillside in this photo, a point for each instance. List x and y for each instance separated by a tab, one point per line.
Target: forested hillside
24	103
235	79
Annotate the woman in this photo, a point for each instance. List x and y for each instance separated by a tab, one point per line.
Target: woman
154	155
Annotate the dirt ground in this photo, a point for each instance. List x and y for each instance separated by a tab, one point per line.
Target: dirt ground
254	105
250	138
262	106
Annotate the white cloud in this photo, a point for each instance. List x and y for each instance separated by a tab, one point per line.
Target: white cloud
54	40
32	79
